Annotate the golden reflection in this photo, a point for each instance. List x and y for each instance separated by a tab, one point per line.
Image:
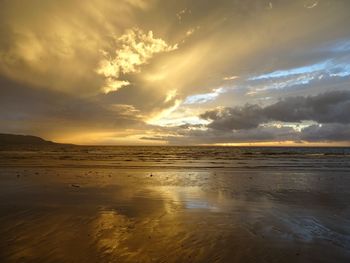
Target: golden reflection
190	198
175	216
109	230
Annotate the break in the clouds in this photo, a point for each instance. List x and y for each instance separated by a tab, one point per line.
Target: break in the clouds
201	72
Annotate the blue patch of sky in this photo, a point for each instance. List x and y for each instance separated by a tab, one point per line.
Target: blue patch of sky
205	97
342	70
326	67
294	71
281	79
301	80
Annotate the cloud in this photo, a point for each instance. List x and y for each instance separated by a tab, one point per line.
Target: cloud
326	133
135	48
114	84
195	134
55	44
230	78
334	69
201	134
311	4
68	57
329	107
182	13
54	114
238	118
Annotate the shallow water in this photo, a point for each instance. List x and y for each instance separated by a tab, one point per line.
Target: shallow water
172	207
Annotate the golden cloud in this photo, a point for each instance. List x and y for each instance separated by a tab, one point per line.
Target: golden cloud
137	48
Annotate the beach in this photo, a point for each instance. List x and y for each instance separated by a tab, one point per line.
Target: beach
174	204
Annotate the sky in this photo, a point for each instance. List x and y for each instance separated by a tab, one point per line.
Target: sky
161	72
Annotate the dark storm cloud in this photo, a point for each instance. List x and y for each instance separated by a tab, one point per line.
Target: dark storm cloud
312	134
238	118
326	133
329	107
25	109
187	135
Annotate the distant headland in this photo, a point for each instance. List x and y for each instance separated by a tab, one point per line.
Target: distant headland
23	140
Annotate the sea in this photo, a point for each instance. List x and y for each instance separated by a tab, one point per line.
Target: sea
181	157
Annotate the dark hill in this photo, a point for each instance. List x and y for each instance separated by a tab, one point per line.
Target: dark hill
12	139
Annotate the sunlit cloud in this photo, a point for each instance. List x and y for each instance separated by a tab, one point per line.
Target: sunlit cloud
55	45
136	49
170	95
158	118
182	13
114	85
230	78
311	4
189	32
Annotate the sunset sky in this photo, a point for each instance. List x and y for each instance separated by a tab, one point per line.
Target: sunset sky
231	72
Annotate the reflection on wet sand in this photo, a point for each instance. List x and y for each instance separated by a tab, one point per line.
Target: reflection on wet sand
80	215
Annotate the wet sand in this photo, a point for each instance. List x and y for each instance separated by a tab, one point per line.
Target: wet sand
81	214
